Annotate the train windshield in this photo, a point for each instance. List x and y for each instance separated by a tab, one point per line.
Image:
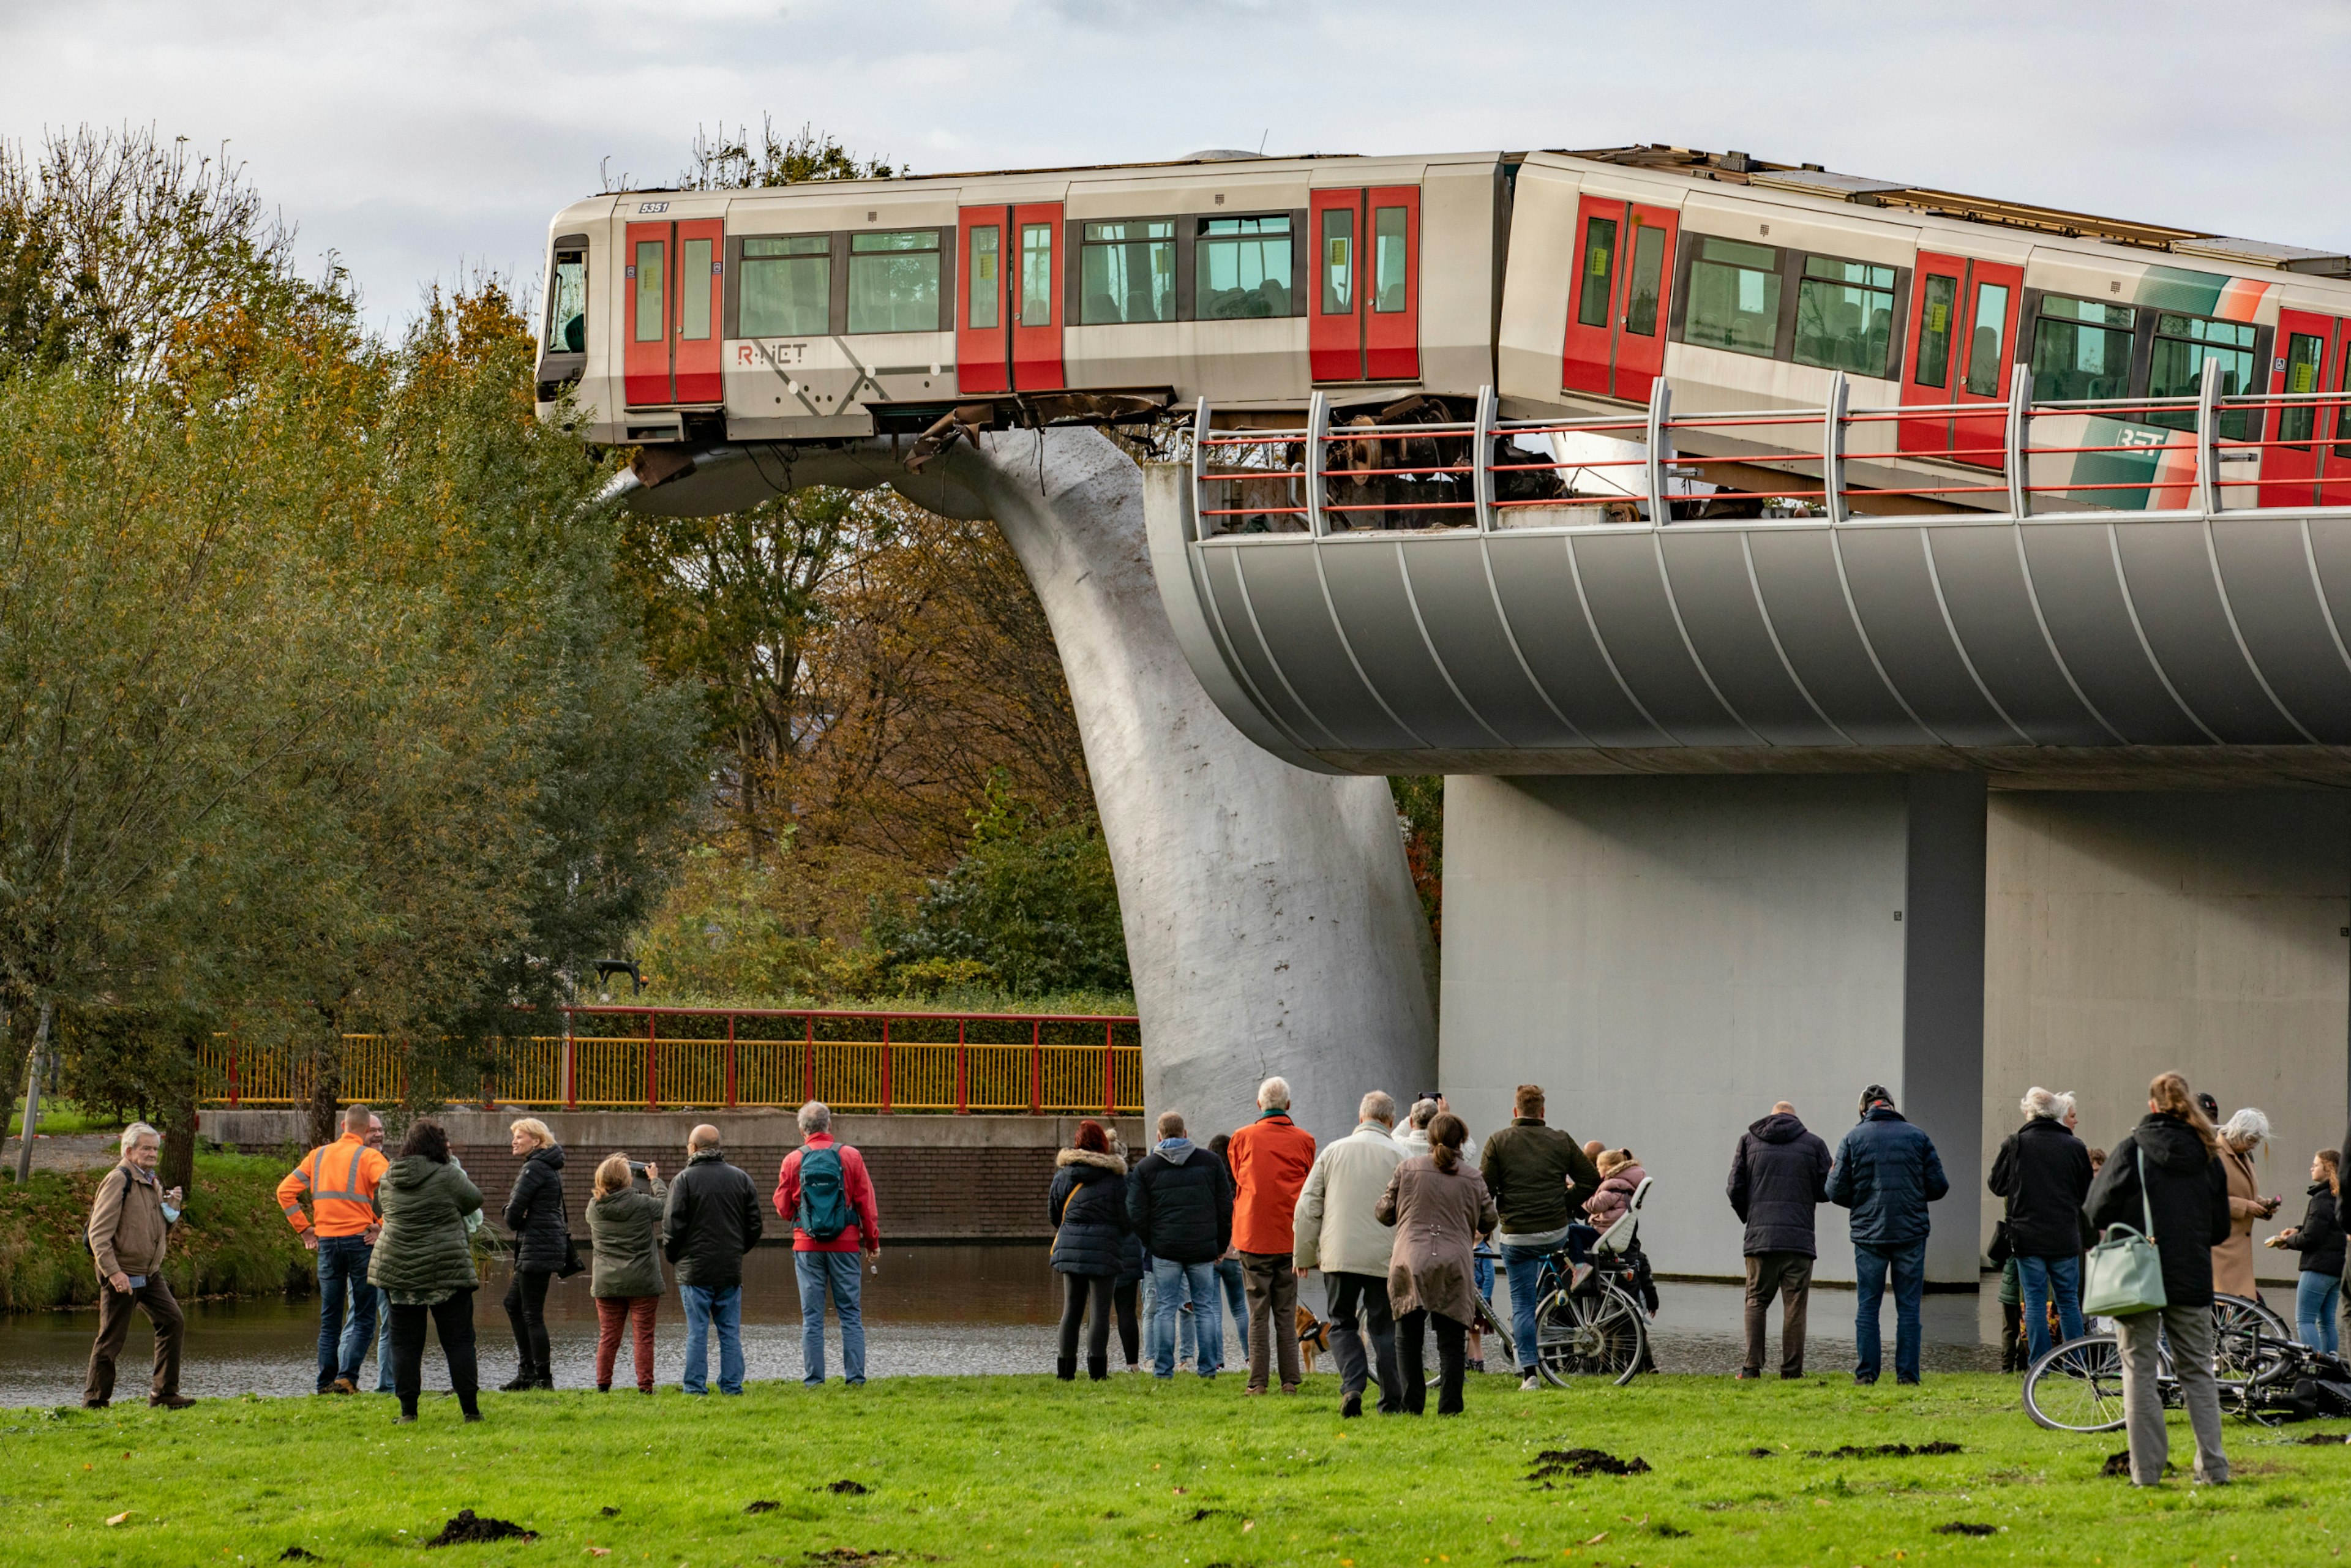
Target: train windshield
567	304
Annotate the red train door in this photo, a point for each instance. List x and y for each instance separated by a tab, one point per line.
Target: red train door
674	273
2308	358
983	319
1037	296
1334	316
1985	342
2335	465
1930	369
1392	284
1619	299
695	351
644	360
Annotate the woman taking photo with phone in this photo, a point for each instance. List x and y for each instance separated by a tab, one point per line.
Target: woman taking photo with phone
624	1228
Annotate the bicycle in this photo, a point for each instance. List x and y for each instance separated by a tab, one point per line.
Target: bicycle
1592	1321
2077	1386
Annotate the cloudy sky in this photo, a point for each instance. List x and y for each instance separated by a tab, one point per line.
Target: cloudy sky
420	139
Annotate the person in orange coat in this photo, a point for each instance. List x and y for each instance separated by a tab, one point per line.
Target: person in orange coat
1270	1159
339	1179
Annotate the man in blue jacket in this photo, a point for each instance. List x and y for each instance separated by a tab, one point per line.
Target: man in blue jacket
1886	1173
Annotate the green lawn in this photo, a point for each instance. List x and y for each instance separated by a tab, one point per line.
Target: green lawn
1024	1469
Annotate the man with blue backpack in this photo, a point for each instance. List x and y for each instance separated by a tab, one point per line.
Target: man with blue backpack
824	1191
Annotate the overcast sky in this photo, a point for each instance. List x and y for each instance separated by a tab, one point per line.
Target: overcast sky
419	139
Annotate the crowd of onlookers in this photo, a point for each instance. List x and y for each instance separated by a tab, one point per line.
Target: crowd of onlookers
1408	1223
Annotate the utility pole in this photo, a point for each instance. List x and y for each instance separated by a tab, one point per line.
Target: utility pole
33	1095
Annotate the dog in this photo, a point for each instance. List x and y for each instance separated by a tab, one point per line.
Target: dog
1313	1335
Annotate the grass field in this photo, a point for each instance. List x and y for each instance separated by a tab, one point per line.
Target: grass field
1024	1469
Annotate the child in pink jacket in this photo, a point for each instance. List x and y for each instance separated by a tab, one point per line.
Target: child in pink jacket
1620	1177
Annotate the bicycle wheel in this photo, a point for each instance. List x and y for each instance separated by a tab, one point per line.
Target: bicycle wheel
1600	1334
2242	1331
2077	1386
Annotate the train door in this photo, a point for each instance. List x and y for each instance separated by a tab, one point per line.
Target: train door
1618	302
1364	309
2310	358
676	275
1007	326
1963	329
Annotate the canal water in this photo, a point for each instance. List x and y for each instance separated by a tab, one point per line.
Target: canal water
929	1311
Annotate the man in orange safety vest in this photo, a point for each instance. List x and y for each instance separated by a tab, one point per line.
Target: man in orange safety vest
339	1179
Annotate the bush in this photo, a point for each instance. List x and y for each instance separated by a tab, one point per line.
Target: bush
233	1240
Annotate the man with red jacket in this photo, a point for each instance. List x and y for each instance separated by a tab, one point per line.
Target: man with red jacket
824	1190
1270	1159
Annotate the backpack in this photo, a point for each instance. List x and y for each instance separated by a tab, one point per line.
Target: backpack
824	1211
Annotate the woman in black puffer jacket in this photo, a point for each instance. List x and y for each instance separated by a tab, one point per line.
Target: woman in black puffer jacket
1087	1206
542	1244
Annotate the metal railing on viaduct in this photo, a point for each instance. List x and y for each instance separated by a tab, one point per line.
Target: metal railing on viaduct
659	1059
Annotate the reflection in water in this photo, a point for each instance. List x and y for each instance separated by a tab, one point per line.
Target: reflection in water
929	1311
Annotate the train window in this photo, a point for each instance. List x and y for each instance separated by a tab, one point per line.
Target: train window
1599	271
693	288
2082	349
1241	267
2182	345
1338	260
1127	271
1845	315
1036	275
1388	264
1935	300
1983	340
786	287
893	281
650	306
567	304
2304	352
986	278
1647	281
1734	298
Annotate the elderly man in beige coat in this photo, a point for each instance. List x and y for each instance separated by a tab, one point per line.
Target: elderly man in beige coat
1337	1233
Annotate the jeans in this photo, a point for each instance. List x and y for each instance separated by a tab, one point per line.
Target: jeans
2189	1329
1359	1304
1524	1267
1173	1286
1910	1266
703	1309
2315	1296
2039	1279
838	1274
355	1347
454	1321
343	1271
1229	1273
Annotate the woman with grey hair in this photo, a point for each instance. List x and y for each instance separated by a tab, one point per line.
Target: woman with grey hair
2232	1260
2043	1172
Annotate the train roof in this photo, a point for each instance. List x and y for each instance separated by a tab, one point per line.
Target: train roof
1731	168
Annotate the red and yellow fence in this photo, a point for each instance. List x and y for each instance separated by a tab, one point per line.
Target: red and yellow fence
655	1059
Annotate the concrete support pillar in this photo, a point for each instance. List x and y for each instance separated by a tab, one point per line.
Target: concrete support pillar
1667	957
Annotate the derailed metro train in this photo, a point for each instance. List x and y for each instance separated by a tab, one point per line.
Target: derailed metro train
1569	283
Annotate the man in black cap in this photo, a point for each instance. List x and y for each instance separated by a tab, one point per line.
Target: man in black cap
1886	1173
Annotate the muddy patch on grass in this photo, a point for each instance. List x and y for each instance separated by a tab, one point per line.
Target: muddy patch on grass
2321	1440
1584	1462
608	1512
877	1555
469	1528
1961	1527
297	1555
764	1505
848	1489
1763	1453
1884	1451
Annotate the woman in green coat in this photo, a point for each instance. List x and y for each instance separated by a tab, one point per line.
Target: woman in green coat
624	1228
424	1262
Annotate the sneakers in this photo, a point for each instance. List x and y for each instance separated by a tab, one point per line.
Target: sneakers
1531	1384
1477	1364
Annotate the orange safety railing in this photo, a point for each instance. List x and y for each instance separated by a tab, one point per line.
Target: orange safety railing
649	1058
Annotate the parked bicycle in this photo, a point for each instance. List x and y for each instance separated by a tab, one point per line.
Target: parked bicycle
2077	1386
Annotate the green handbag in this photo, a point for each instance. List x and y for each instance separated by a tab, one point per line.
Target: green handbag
2125	1272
